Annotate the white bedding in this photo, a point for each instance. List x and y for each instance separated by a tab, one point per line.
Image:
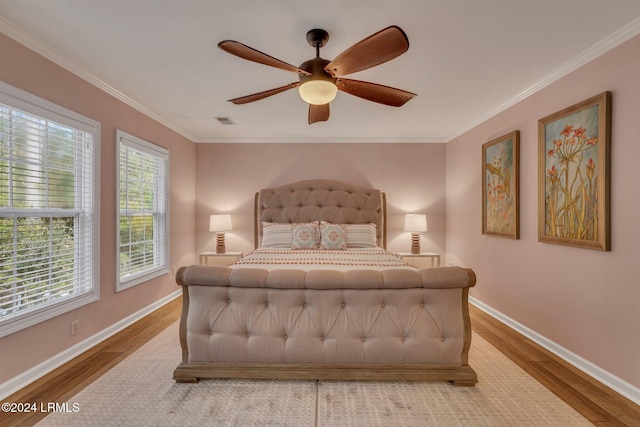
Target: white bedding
312	259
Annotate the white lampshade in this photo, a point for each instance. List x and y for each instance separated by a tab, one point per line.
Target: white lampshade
318	92
415	223
220	223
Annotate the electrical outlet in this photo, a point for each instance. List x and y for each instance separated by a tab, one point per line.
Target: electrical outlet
75	327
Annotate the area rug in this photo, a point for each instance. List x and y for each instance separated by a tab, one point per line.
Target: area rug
140	391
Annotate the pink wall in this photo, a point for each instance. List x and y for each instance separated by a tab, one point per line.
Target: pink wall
411	175
584	300
33	73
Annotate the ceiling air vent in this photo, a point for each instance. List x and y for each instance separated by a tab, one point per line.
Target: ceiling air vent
224	120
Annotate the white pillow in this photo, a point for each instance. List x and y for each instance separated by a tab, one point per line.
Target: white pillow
361	236
275	235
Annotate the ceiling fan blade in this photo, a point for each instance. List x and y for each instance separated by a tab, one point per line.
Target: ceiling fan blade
374	92
376	49
261	95
318	113
250	54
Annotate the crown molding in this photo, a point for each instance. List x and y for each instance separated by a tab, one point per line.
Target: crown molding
617	38
18	34
320	140
33	43
625	33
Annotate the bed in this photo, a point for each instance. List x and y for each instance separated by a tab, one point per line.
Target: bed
321	298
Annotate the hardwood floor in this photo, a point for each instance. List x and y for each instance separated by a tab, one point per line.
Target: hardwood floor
597	403
63	383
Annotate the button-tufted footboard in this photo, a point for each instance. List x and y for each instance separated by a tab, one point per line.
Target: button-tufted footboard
392	324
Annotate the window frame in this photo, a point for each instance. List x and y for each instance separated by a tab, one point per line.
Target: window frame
162	242
38	107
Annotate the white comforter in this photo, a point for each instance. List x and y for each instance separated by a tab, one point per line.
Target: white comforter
342	260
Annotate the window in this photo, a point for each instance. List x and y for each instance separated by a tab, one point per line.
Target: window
143	223
49	216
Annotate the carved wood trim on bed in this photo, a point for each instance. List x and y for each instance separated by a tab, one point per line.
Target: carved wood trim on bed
457	375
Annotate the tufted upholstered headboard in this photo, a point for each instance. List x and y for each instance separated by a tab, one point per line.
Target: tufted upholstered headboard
321	200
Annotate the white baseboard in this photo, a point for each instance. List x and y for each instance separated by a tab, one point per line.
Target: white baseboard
16	383
617	384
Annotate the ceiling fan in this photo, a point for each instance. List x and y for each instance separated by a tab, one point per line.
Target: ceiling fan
320	79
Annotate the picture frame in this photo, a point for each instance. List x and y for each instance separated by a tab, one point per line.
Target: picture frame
501	186
574	175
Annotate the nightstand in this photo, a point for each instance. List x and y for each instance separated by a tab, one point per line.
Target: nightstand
221	260
421	260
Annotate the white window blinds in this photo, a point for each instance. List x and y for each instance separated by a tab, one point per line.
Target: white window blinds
47	211
142	224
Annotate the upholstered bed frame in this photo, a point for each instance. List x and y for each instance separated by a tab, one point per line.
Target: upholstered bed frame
321	200
325	324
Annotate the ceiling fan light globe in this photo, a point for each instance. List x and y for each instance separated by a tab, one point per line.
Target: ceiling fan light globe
318	92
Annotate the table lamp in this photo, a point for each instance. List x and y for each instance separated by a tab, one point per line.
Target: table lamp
219	224
415	223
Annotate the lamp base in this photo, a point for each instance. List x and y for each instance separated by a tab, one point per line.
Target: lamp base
415	243
220	247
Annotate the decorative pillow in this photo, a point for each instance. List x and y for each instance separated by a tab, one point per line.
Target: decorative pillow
275	235
333	236
305	236
361	236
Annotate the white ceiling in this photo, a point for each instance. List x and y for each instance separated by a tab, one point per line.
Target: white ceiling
467	60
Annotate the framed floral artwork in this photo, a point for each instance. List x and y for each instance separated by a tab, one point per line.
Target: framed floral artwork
574	175
500	186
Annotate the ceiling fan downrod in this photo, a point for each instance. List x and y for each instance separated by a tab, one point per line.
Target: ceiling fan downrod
317	38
